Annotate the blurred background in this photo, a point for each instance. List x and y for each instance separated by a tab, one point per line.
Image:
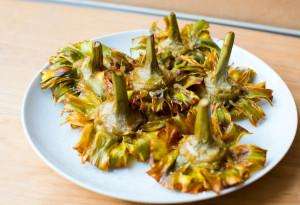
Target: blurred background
281	13
276	16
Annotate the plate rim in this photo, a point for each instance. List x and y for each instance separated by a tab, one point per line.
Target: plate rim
263	172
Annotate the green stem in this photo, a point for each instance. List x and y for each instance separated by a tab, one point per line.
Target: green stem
173	29
151	60
97	63
222	66
202	124
120	93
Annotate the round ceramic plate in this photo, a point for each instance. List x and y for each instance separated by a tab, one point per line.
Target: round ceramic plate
53	141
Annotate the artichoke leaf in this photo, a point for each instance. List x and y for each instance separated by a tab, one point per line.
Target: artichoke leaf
243	160
249	109
225	131
241	76
258	92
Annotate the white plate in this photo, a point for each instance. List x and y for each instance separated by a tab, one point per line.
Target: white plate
53	141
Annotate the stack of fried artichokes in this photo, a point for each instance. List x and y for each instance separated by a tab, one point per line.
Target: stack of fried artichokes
174	106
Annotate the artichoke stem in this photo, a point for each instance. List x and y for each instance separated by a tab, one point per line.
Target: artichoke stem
222	66
151	60
202	124
97	62
120	94
173	29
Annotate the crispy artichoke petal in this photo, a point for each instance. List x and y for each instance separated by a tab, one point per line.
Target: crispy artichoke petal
154	125
169	100
233	134
182	99
243	160
59	91
249	156
119	155
234	175
163	141
101	149
249	109
77	119
86	103
191	81
258	92
117	60
185	123
164	166
241	76
194	179
224	129
140	147
61	76
85	140
197	35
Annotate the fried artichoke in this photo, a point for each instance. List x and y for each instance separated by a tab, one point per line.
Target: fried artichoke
175	106
200	162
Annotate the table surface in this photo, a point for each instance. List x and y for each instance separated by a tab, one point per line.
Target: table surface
280	15
31	31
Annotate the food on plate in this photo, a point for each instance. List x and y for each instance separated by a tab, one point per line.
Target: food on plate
174	106
201	162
